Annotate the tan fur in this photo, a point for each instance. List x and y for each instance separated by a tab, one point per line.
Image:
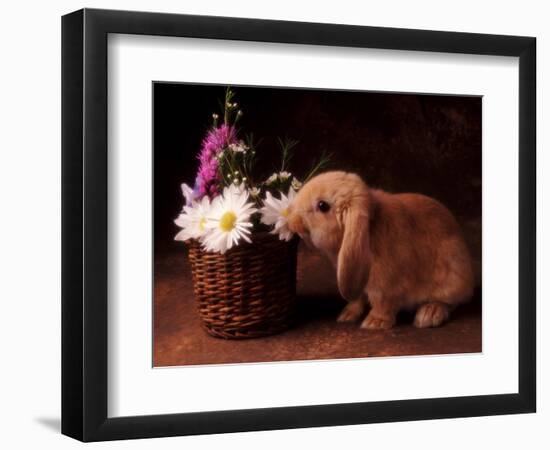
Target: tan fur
400	251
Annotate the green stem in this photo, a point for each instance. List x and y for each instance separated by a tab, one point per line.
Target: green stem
323	160
225	109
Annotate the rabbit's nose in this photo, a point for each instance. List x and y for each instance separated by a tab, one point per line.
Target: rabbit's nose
295	224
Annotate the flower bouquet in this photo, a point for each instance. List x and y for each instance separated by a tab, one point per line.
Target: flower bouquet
242	254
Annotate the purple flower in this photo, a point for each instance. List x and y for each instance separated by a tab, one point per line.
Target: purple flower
207	181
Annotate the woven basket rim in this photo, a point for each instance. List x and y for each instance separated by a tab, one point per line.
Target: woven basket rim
254	236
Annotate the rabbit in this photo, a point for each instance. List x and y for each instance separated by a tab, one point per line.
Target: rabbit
392	251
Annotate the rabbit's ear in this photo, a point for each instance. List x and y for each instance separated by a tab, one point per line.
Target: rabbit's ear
354	255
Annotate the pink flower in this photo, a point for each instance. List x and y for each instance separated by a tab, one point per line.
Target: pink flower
207	181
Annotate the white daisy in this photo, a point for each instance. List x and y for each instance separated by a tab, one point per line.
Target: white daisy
275	212
296	184
193	220
240	147
271	179
284	175
229	219
235	189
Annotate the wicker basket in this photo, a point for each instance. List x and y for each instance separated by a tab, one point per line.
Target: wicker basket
247	292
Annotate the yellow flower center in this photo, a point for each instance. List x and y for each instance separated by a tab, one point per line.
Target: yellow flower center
284	212
227	221
202	223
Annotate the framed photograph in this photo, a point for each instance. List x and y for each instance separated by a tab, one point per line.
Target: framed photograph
273	224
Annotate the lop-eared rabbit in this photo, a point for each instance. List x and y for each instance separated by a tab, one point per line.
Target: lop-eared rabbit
392	251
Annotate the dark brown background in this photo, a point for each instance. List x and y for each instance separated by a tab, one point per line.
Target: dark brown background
398	142
417	143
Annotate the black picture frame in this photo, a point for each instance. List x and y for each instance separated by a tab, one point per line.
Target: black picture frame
84	224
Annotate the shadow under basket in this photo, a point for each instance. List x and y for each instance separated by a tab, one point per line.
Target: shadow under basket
249	291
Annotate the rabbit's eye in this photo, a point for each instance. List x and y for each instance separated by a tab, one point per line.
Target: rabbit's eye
323	206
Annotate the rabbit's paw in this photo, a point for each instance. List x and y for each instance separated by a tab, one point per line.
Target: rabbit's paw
431	315
352	312
378	323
